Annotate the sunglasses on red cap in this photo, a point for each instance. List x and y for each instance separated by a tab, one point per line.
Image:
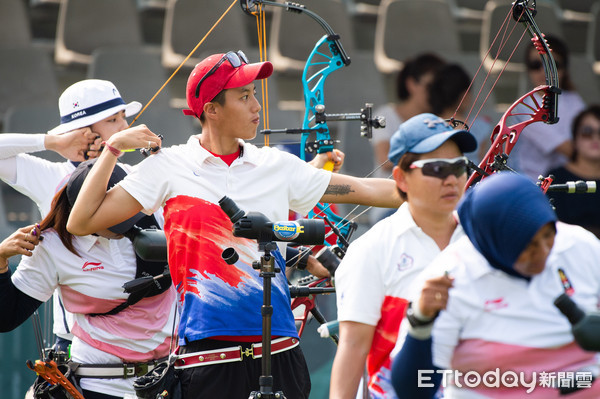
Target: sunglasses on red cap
235	58
442	167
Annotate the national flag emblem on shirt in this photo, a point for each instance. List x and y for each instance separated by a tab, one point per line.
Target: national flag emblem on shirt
406	262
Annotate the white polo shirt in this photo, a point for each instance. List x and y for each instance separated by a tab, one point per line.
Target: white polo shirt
494	320
38	179
374	279
217	299
92	283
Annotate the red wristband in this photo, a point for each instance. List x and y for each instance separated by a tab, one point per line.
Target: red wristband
116	152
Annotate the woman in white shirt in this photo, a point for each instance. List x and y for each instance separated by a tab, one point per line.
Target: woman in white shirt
112	329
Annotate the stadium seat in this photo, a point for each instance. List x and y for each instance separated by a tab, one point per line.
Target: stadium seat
363	7
16	209
15	30
33	118
188	21
151	4
85	25
593	40
27	77
136	71
397	22
294	36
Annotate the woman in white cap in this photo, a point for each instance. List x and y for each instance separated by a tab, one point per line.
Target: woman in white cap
372	280
117	336
90	111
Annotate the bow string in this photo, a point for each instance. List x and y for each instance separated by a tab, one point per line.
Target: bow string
327	56
538	105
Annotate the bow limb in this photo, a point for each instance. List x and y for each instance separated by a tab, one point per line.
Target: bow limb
539	105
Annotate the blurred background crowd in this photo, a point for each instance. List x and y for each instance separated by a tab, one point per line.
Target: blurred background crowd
408	57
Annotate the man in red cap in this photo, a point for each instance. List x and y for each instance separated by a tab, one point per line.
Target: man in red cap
220	304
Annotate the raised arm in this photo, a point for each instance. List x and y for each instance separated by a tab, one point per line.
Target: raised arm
21	242
71	145
96	209
363	191
74	144
16	306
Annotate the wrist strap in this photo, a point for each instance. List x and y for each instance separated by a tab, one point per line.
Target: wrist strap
416	319
303	258
115	151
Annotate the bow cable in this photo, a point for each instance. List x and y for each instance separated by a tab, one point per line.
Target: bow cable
503	42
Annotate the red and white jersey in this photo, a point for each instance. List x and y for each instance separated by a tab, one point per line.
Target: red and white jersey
373	280
216	299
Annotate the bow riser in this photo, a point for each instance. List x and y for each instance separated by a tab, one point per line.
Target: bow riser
505	136
313	85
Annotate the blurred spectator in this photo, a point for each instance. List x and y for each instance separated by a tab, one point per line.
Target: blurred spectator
411	91
581	209
542	147
448	100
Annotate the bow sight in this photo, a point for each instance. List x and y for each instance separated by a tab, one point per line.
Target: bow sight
315	118
365	116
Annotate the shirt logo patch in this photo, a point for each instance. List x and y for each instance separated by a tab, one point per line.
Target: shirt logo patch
432	122
90	266
494	304
406	262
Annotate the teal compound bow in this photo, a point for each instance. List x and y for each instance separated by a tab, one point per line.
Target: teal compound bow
327	56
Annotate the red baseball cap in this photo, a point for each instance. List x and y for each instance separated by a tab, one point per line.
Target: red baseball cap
226	76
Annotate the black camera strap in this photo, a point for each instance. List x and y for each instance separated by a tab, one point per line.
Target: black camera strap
144	268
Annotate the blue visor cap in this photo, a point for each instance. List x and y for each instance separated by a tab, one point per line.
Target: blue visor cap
424	133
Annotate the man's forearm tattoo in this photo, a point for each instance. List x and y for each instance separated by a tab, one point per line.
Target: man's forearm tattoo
339	189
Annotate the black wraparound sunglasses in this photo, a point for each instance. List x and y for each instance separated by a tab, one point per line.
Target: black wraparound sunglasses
441	167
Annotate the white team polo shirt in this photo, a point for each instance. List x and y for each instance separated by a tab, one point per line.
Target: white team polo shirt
217	299
264	180
373	280
494	320
92	283
383	263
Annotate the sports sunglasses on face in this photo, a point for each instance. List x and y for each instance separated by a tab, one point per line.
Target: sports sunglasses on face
442	167
236	59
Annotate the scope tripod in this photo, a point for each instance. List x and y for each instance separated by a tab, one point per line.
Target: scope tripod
268	270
